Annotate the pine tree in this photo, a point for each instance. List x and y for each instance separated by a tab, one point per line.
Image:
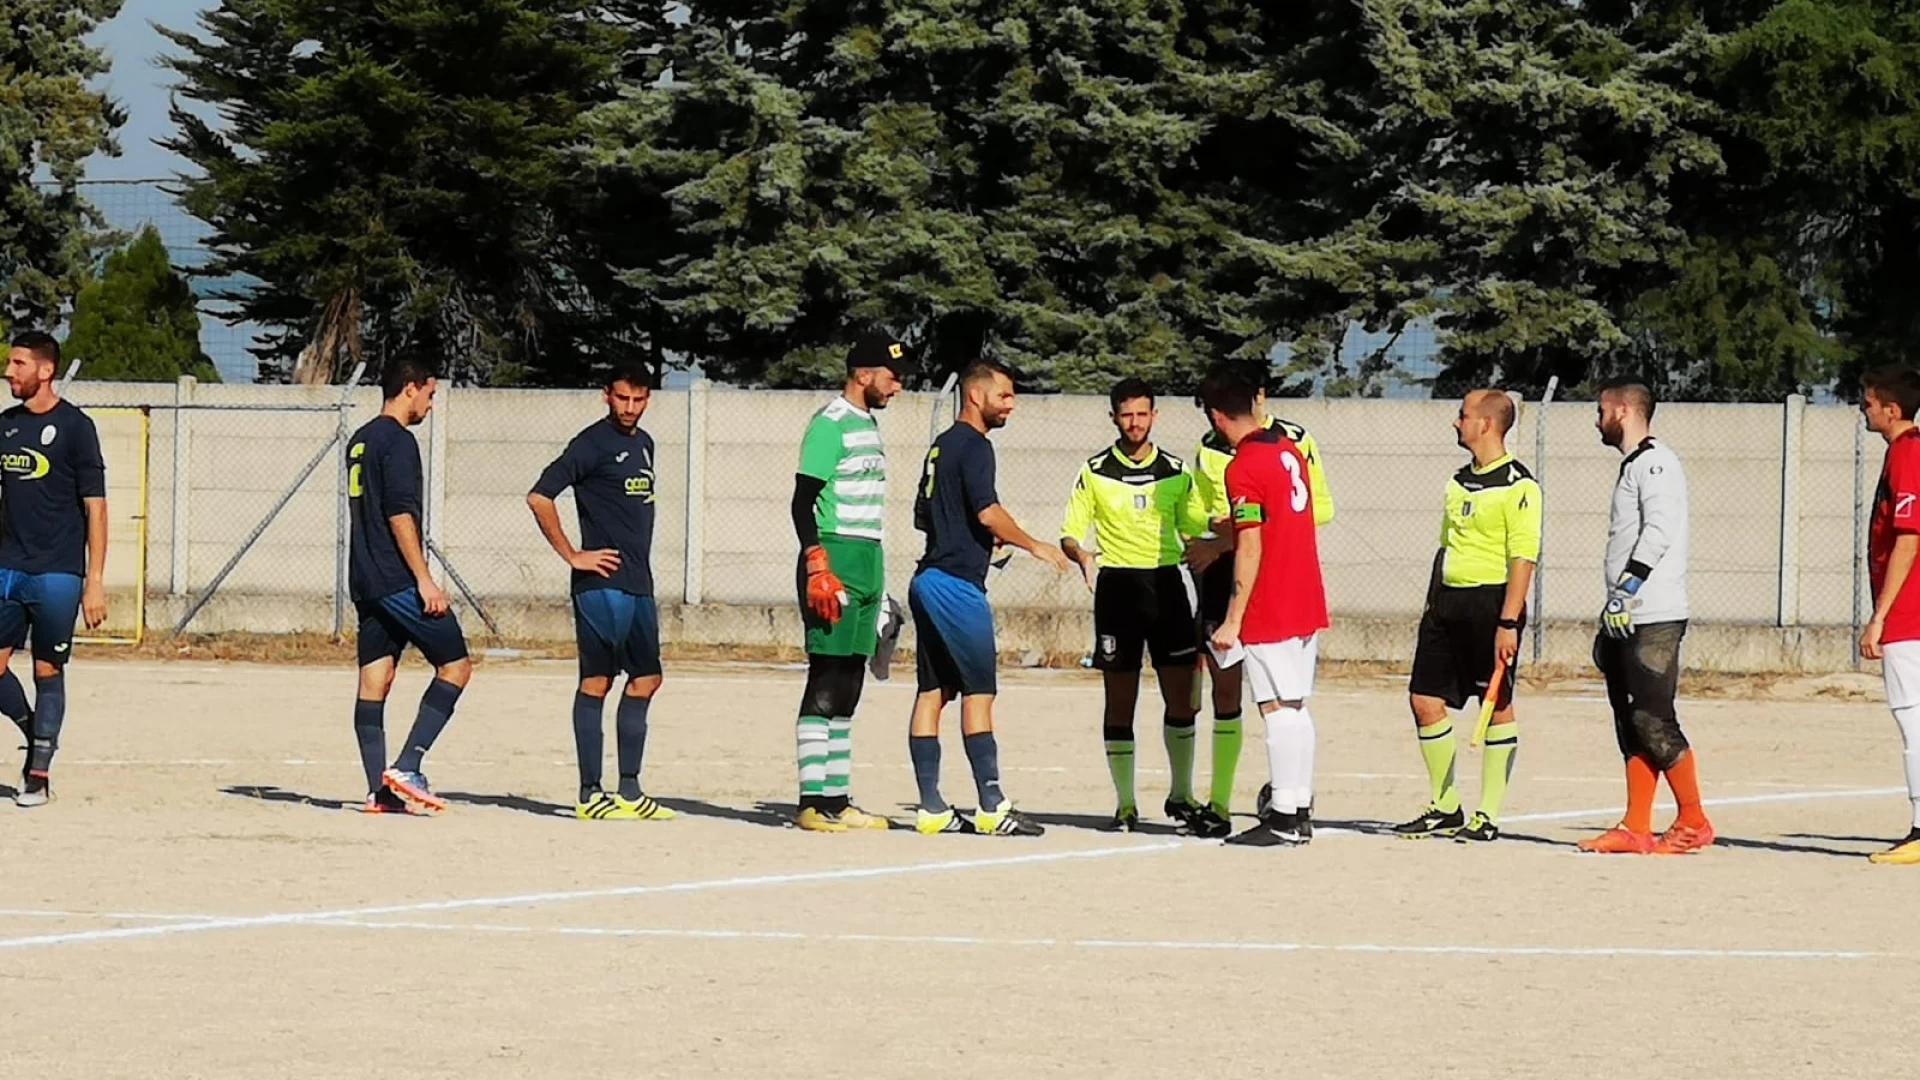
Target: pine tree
1005	176
401	177
139	321
51	121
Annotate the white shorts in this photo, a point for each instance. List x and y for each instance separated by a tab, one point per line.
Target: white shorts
1283	670
1901	670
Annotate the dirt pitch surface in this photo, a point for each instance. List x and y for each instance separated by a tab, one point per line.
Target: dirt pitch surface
201	900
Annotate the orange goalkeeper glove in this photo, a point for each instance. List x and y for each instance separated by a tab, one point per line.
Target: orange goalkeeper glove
825	593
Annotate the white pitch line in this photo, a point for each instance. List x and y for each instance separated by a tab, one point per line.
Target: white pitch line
129	916
1604	951
531	899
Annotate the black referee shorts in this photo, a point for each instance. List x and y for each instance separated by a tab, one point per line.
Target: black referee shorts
1453	657
1216	591
1136	609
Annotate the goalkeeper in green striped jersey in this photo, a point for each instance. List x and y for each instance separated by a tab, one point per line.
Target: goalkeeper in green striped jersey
839	508
1212	563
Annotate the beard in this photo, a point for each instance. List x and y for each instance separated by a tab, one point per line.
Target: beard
873	399
1611	434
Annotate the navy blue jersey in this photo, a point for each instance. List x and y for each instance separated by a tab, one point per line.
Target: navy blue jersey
611	475
49	463
955	485
383	481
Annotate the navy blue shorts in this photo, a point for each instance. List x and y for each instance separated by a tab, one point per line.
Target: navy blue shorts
617	631
48	605
390	624
952	635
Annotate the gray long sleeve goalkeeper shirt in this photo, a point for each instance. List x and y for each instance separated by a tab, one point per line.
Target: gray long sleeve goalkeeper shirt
1647	532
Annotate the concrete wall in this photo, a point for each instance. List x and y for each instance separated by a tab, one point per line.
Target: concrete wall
1777	497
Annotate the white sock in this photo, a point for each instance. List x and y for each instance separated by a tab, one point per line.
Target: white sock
1290	758
1280	753
1304	736
1908	717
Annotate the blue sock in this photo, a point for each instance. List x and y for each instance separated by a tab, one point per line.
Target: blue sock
436	708
13	701
925	750
370	730
984	755
589	741
630	741
50	699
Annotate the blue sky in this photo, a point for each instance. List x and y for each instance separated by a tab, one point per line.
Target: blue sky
141	86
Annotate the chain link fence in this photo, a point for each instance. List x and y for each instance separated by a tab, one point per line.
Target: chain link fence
244	492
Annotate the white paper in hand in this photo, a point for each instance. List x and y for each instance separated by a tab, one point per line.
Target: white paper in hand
1226	658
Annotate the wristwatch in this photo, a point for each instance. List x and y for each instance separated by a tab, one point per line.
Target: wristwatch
1509	624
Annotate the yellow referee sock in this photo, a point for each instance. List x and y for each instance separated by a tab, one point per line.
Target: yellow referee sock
1496	767
1437	747
1226	761
1120	764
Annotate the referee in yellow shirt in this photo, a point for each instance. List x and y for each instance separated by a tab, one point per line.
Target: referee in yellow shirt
1140	503
1476	608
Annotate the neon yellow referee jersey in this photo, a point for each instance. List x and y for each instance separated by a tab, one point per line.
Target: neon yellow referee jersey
1210	471
1139	510
1492	518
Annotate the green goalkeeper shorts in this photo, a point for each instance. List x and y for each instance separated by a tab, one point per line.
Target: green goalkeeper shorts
862	572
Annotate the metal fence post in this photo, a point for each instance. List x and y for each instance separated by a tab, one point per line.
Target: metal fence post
438	424
1859	539
1539	603
1793	428
341	509
696	501
182	493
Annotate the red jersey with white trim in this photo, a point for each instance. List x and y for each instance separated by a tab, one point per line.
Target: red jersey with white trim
1896	510
1267	486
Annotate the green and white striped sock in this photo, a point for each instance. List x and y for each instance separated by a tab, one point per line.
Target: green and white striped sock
812	753
839	758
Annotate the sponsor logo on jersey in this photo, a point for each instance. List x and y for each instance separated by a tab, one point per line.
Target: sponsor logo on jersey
641	486
26	464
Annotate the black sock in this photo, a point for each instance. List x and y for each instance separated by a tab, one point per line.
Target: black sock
13	703
50	712
983	753
588	741
630	736
436	708
925	750
370	730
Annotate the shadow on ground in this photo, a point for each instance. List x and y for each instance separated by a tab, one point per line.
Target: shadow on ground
517	803
270	793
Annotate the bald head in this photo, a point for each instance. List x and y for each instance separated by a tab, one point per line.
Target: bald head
1493	406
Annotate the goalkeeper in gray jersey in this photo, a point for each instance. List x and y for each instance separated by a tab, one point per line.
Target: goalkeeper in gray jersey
1645	618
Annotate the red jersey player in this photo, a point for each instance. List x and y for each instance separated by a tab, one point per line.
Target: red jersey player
1888	400
1279	603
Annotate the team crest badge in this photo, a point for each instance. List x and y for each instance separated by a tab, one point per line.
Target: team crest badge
1108	646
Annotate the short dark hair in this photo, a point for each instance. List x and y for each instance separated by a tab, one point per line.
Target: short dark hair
1637	394
1127	389
634	373
1229	389
40	344
402	372
1896	385
982	370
